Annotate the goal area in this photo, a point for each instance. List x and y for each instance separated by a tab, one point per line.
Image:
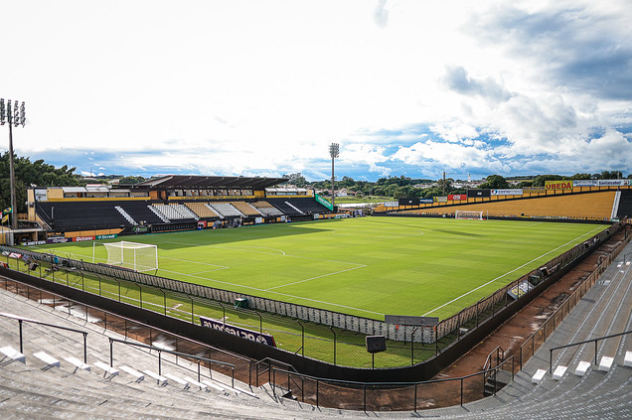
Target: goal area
131	255
469	215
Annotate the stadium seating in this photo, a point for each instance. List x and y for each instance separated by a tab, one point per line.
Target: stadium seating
298	206
69	216
267	209
625	204
226	210
245	208
139	211
175	212
202	210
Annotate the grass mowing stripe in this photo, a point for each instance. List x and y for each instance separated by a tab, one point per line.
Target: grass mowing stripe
403	271
509	272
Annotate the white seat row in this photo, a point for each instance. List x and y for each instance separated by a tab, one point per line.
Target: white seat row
12	354
605	364
109	372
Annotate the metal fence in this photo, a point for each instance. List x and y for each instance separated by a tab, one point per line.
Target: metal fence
485	308
401	396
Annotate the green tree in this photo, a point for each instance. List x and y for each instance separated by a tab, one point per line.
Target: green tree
495	182
29	173
539	180
131	180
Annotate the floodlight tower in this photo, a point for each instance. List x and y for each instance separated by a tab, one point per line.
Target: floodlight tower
334	152
12	116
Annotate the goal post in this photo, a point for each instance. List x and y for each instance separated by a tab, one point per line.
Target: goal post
469	214
132	255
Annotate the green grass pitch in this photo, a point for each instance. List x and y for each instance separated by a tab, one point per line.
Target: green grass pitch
364	266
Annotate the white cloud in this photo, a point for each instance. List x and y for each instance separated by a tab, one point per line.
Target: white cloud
263	87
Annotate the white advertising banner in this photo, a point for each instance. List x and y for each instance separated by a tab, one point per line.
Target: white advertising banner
507	192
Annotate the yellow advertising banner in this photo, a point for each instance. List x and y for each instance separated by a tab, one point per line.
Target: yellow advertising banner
558	185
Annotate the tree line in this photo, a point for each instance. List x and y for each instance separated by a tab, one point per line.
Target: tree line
40	174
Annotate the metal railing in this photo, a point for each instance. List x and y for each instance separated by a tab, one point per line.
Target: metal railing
579	343
31	321
370	396
160	350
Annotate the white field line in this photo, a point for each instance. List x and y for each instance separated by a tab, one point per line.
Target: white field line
278	293
282	294
507	273
314	278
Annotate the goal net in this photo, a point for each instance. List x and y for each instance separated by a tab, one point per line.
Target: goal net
468	215
132	255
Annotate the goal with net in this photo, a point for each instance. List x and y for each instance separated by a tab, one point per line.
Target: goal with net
131	255
468	215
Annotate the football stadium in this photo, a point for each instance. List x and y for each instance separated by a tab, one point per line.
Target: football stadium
188	295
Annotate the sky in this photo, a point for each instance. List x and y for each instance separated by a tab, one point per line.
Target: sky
263	87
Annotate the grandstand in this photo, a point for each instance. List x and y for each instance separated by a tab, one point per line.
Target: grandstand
170	203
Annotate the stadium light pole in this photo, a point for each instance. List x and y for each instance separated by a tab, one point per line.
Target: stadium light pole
17	117
334	152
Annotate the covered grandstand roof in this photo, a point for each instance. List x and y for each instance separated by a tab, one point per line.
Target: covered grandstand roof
193	181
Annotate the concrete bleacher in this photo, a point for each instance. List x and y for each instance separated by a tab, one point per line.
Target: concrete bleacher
202	210
267	209
298	206
226	210
140	212
68	216
245	208
175	212
625	204
113	392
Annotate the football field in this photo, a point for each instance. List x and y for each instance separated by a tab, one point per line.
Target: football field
364	266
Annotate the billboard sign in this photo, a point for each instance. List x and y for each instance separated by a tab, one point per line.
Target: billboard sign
457	197
324	202
426	200
532	189
441	199
408	201
109	236
391	204
479	193
558	185
614	182
585	183
507	192
258	337
57	240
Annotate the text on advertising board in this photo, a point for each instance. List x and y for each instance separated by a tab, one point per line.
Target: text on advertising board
239	332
